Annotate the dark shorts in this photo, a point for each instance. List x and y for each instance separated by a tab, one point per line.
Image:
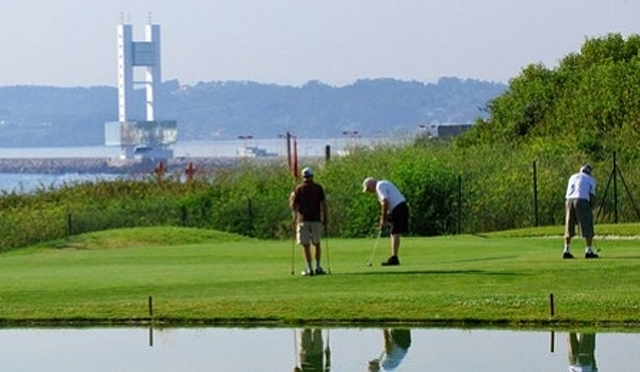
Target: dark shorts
399	219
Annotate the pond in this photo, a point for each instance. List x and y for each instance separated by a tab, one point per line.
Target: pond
315	349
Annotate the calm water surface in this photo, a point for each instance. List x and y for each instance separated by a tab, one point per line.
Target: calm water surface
219	148
314	349
223	148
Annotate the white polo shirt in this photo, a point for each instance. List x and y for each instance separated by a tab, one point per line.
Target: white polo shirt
580	186
387	190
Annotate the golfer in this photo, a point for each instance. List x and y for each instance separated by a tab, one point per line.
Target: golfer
582	356
311	352
394	211
581	197
396	345
309	202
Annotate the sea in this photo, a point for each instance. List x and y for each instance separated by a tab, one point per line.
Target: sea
306	147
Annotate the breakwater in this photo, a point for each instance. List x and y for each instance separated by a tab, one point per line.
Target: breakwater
108	166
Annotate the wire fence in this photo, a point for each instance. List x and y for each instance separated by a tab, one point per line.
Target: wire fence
533	196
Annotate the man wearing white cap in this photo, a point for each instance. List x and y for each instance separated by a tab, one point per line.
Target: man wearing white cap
308	200
581	197
394	211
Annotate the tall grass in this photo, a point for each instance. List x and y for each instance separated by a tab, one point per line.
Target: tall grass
450	189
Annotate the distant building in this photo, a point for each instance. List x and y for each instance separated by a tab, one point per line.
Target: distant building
443	130
140	138
254	152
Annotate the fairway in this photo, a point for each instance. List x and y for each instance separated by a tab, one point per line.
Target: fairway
203	277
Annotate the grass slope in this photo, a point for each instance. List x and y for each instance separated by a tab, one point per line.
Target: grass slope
196	277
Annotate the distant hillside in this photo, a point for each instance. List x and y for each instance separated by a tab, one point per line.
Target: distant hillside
50	116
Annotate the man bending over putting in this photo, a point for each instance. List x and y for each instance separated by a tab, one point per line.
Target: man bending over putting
394	211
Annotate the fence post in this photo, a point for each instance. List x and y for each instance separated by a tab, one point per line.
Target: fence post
250	213
459	204
535	193
69	225
288	136
183	216
615	188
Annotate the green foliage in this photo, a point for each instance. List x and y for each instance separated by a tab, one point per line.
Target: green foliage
585	110
590	101
251	200
77	208
425	181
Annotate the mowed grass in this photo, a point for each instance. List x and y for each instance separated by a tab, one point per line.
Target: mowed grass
206	277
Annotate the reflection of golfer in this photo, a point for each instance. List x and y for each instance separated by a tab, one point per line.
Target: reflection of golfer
396	345
311	352
582	349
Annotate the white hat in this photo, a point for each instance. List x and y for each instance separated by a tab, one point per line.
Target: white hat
366	183
585	169
307	172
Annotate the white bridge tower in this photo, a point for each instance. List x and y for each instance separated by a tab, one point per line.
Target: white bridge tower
140	137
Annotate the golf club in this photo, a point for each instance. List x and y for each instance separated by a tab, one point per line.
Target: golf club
295	350
375	247
293	257
327	353
326	243
293	245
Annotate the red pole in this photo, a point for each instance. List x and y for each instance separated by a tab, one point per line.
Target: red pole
294	163
190	171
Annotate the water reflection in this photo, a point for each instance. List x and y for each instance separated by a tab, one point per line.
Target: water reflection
396	345
582	348
313	356
313	349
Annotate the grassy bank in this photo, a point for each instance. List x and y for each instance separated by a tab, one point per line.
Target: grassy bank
199	276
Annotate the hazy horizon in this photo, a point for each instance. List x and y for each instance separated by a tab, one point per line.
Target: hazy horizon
68	43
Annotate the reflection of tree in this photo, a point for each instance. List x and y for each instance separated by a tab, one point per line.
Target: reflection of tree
313	356
396	345
582	349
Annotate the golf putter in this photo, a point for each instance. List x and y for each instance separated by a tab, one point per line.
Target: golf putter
375	247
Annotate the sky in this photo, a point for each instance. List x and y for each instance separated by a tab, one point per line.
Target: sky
71	43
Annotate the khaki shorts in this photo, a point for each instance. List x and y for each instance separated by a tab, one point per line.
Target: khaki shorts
578	212
309	232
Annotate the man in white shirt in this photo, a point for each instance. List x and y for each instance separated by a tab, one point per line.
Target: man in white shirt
396	346
394	211
580	199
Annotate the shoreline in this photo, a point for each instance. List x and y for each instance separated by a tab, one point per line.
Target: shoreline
114	166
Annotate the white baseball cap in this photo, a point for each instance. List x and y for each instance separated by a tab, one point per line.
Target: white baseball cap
586	169
366	183
307	172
